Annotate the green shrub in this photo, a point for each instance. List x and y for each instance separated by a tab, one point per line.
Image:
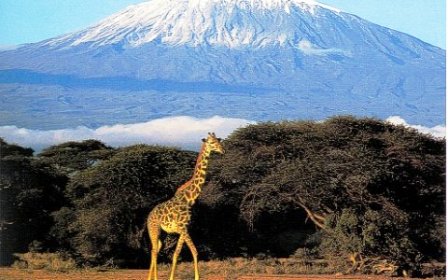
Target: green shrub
374	190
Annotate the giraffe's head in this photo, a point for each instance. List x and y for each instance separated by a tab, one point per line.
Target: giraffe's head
213	143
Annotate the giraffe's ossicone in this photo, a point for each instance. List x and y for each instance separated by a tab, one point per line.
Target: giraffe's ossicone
173	216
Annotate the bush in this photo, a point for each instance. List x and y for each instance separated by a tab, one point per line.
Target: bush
374	190
50	261
29	191
111	200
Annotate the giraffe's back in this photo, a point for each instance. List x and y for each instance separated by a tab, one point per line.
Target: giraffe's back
172	216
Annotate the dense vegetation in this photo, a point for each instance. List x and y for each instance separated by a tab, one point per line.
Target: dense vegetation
362	194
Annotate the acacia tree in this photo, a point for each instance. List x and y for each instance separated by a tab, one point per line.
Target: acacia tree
29	191
70	157
110	202
373	189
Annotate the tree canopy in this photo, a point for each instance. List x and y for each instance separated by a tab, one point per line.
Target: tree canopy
110	201
72	156
29	191
370	187
346	189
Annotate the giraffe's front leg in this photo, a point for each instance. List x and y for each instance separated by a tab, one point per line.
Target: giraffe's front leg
154	232
179	245
194	252
153	267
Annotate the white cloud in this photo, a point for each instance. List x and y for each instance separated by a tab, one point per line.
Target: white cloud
438	131
309	49
181	131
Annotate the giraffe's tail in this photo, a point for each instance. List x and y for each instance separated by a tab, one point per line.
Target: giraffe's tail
159	245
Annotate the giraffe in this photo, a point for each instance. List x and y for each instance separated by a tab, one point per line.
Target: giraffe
173	215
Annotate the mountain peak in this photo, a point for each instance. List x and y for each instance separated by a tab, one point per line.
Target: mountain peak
229	23
262	4
254	59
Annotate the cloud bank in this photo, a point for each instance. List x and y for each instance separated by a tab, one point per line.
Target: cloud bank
184	132
181	131
438	131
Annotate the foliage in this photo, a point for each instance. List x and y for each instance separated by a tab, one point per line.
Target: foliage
361	193
29	191
7	149
50	261
111	200
373	188
70	157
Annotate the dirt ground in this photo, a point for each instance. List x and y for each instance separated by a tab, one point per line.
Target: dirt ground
24	274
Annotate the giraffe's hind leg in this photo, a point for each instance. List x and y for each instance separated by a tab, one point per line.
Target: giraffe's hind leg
194	252
154	232
179	245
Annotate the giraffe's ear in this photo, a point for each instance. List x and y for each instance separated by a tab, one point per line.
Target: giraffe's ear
219	139
204	140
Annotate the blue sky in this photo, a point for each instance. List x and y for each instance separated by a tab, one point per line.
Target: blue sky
26	21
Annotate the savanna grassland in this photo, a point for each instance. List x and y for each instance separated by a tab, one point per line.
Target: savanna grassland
232	269
347	195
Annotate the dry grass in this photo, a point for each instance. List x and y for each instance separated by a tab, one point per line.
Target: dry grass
24	274
230	269
49	261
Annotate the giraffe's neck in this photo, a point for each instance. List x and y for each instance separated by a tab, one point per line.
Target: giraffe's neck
193	188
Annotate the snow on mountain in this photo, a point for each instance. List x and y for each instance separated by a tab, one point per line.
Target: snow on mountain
248	59
229	23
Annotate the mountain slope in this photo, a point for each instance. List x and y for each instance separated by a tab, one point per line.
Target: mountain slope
254	59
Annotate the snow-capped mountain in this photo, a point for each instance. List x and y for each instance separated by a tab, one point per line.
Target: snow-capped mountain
226	23
253	59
